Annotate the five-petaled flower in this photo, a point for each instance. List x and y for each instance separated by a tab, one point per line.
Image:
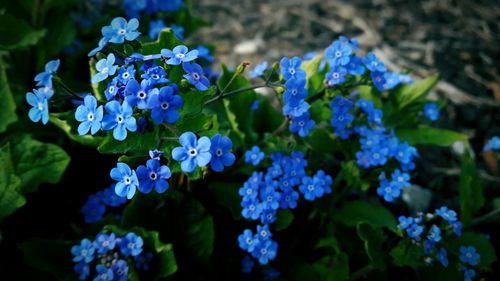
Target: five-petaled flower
105	67
193	152
119	119
121	30
40	106
90	115
221	153
179	55
126	178
153	175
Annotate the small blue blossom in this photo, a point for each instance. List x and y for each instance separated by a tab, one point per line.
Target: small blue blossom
102	43
252	209
119	119
126	178
131	244
109	197
295	111
389	190
45	78
105	67
142	260
270	198
93	210
137	94
40	106
221	153
404	222
247	240
82	269
193	152
248	191
247	264
414	231
290	68
194	74
289	198
179	55
265	251
434	234
125	74
155	75
165	105
391	80
355	66
373	63
447	214
89	115
311	188
442	257
255	105
469	255
120	270
335	76
258	70
83	252
104	242
263	232
469	273
493	144
178	31
378	79
295	91
338	53
103	273
121	30
153	175
254	156
431	111
302	124
155	26
456	226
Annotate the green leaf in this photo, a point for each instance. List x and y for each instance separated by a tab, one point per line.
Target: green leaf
36	162
407	94
67	124
10	198
166	39
134	142
373	239
470	189
283	219
407	253
333	268
354	212
430	136
193	101
7	103
482	245
352	175
62	33
49	256
16	33
163	263
311	66
323	141
226	193
370	93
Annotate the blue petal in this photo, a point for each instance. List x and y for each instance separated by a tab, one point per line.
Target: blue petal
188	140
179	154
84	127
119	133
188	165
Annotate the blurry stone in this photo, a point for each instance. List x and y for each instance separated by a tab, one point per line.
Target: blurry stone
248	47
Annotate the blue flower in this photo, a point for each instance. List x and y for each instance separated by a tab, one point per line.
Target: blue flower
324	180
40	106
120	270
194	74
178	31
93	210
389	190
179	55
302	124
404	222
378	79
137	95
142	261
414	231
193	152
247	264
252	209
311	188
447	214
155	26
373	63
119	119
45	78
289	198
296	111
442	257
434	234
83	270
468	273
105	67
431	111
247	240
125	74
255	105
263	232
290	68
109	197
90	115
355	66
401	178
105	242
493	144
456	226
258	70
295	91
121	30
254	156
155	75
102	43
469	255
248	191
83	252
268	216
153	175
103	273
338	53
131	244
164	106
265	251
270	198
126	178
113	89
221	153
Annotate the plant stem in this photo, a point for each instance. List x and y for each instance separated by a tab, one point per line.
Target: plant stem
232	93
487	217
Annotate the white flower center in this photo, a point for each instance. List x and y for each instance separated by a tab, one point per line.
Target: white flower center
165	105
105	70
40	106
90	117
119	119
180	55
193	152
122	31
218	152
196	75
338	54
153	176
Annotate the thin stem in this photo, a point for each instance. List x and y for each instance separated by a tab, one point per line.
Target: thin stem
487	217
232	93
173	130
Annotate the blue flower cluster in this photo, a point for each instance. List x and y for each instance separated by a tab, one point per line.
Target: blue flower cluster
133	8
110	255
377	145
263	194
433	228
39	98
343	62
295	106
493	144
95	207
